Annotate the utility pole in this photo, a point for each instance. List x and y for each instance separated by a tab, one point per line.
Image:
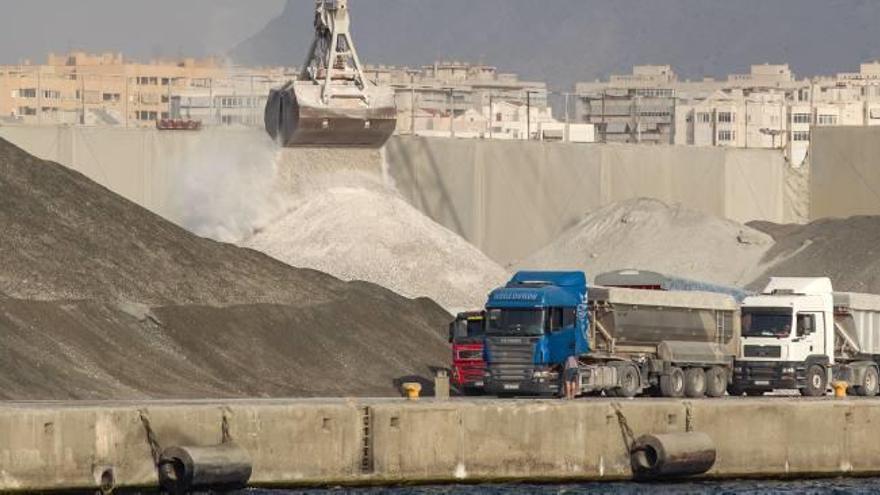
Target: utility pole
82	99
528	115
491	115
450	107
412	102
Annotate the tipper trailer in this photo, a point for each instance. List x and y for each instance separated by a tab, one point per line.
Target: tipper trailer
800	334
625	340
466	336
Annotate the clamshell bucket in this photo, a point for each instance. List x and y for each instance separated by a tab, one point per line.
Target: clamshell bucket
331	103
296	116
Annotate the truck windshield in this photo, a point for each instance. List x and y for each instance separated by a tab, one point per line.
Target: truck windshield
516	322
475	327
766	322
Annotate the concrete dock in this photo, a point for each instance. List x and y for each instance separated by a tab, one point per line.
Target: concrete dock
55	446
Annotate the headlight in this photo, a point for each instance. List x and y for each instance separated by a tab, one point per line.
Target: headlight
487	373
540	374
789	370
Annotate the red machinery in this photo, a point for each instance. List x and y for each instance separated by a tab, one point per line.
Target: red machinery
466	335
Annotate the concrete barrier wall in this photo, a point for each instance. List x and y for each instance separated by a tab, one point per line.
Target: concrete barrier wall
511	198
318	442
845	171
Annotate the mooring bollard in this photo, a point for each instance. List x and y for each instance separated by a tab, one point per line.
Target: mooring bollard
412	390
217	467
441	385
672	454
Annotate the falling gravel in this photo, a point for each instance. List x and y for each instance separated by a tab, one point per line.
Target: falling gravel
351	223
651	235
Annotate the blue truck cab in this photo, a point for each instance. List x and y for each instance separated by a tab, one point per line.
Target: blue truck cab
533	324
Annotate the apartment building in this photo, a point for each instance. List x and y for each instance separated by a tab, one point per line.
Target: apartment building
446	89
105	89
765	108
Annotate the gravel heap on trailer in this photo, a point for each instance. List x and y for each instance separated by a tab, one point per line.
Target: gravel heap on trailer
847	250
100	298
648	234
351	224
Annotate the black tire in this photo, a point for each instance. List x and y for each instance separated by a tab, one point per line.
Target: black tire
870	384
816	382
672	383
755	392
630	384
716	381
735	391
695	383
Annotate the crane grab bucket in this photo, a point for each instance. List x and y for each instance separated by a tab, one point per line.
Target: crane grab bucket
331	103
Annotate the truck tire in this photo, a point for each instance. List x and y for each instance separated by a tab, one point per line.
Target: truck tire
816	382
672	383
716	381
630	384
870	384
695	383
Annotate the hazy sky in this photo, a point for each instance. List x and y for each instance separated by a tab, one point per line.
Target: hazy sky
559	41
138	28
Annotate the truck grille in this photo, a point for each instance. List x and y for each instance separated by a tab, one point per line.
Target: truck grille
766	351
511	358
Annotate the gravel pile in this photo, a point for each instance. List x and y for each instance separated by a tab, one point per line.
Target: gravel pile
847	250
651	235
101	299
350	224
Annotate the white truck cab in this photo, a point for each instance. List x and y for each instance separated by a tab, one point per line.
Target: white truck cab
788	342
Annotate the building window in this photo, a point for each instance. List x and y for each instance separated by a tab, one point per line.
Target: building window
27	93
110	96
165	81
800	136
801	118
726	117
704	117
27	111
827	119
726	135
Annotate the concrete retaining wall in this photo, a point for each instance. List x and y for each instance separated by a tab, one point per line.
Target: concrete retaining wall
318	442
845	171
510	198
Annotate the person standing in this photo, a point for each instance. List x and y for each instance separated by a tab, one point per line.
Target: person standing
571	378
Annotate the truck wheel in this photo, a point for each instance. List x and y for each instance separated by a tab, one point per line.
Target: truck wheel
716	381
629	381
870	385
694	382
672	383
815	379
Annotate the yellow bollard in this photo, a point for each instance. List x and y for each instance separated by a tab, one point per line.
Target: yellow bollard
412	390
839	388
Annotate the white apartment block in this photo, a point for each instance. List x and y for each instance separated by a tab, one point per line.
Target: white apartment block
766	108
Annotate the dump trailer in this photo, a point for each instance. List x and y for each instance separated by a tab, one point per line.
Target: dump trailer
626	341
466	335
649	280
800	334
331	103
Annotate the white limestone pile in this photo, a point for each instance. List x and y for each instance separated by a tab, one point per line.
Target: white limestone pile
352	225
648	234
